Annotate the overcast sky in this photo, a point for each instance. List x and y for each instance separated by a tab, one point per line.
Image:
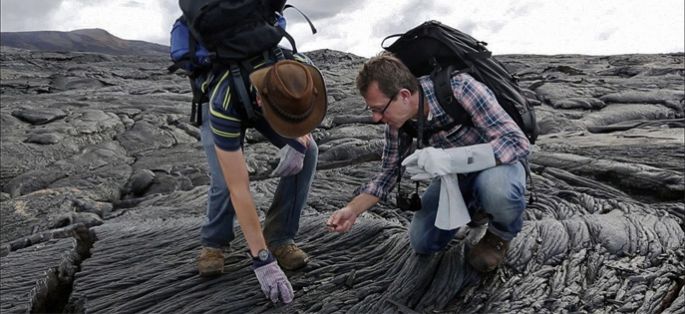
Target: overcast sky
596	27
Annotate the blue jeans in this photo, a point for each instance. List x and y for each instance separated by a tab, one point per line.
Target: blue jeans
282	219
498	191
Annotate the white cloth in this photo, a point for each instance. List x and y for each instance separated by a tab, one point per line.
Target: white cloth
434	162
452	211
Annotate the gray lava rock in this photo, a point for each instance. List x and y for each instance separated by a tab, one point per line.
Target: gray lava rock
45	138
96	145
139	182
39	116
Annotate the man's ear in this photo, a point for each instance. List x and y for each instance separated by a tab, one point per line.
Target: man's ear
405	94
259	100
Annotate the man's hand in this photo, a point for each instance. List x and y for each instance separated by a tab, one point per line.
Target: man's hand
274	283
304	140
292	161
342	220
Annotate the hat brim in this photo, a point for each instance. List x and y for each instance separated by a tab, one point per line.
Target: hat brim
291	129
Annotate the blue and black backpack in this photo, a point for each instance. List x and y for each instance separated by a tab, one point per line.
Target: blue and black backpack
227	34
186	52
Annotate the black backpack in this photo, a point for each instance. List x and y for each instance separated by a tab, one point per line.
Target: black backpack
234	33
234	29
439	50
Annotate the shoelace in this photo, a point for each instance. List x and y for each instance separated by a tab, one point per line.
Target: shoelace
289	248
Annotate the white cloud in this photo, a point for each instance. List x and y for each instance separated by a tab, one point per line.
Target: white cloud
129	20
509	26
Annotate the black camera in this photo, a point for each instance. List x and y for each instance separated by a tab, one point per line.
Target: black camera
408	203
411	203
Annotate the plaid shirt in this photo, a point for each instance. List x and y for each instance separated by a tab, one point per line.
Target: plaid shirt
491	124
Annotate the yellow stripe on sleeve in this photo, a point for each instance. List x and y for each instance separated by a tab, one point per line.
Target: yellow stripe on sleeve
225	134
227	98
222	116
218	85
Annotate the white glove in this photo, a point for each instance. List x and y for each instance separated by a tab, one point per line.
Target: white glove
439	162
418	174
291	162
452	211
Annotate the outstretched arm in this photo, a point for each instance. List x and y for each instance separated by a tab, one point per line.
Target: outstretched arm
235	173
343	219
272	280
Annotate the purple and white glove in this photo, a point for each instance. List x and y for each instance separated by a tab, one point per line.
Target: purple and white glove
291	162
274	283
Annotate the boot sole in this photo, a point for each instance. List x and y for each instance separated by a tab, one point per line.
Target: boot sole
480	267
211	273
296	267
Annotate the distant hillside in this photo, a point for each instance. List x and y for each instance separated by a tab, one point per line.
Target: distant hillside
84	40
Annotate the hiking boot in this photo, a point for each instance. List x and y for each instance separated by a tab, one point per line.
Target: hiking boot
478	219
488	253
290	256
210	262
475	229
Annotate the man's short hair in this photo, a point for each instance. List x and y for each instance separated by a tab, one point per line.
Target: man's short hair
390	73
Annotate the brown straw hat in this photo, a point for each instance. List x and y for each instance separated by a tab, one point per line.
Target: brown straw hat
293	96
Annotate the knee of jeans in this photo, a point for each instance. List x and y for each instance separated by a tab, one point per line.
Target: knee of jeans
504	201
313	148
430	201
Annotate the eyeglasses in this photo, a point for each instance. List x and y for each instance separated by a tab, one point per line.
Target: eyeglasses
382	111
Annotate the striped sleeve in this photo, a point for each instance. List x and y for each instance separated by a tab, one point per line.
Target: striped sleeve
384	181
224	123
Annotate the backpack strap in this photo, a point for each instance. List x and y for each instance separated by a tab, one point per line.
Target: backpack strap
303	15
239	85
413	203
174	67
278	53
443	91
195	110
526	165
388	37
287	35
289	38
482	53
420	140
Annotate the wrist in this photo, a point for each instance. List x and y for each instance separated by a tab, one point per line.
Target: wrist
297	146
262	258
354	210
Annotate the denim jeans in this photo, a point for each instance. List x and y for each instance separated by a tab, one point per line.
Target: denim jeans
283	218
498	191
